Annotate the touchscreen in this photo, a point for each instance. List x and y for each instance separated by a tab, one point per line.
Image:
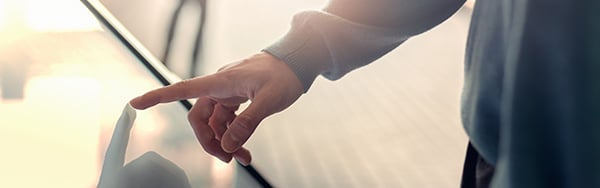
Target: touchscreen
62	93
163	148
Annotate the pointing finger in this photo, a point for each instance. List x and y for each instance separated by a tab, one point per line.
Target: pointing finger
186	89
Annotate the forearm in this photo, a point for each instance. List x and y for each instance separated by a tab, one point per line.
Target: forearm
349	34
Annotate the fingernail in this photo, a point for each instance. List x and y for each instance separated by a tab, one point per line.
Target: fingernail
224	158
242	161
134	103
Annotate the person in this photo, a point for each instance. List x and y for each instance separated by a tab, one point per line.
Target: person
530	99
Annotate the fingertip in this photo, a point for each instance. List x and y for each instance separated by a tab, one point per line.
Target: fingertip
228	149
243	156
238	132
143	102
214	150
136	103
225	159
243	161
230	143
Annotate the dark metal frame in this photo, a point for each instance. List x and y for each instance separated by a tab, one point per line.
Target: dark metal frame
158	70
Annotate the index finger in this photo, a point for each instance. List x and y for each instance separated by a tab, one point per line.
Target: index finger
186	89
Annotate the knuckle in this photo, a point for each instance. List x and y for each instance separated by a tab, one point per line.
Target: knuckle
227	75
228	66
183	87
246	60
246	122
191	119
182	83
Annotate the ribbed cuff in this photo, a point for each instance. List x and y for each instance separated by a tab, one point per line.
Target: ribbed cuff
303	49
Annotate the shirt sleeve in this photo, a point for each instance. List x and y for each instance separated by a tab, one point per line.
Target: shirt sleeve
348	34
550	132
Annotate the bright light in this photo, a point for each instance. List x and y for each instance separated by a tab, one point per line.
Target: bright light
222	173
48	139
149	125
2	12
58	15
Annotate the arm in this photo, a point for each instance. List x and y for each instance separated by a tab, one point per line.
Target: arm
330	42
349	34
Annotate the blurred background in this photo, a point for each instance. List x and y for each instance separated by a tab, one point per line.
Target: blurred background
64	80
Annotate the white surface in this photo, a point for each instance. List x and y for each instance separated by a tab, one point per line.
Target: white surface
46	137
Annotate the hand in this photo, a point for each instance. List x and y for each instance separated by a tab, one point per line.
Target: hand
266	81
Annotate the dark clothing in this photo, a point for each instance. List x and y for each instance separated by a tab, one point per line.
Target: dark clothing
477	173
531	97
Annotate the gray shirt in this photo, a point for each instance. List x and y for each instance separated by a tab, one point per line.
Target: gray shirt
531	97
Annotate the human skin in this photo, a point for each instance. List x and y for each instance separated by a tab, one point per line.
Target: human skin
266	81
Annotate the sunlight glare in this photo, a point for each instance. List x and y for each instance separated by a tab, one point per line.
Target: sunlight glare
46	138
222	173
58	15
2	12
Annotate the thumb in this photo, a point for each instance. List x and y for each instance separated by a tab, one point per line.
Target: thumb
242	127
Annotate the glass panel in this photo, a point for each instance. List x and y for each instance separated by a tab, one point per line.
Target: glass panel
62	90
392	124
